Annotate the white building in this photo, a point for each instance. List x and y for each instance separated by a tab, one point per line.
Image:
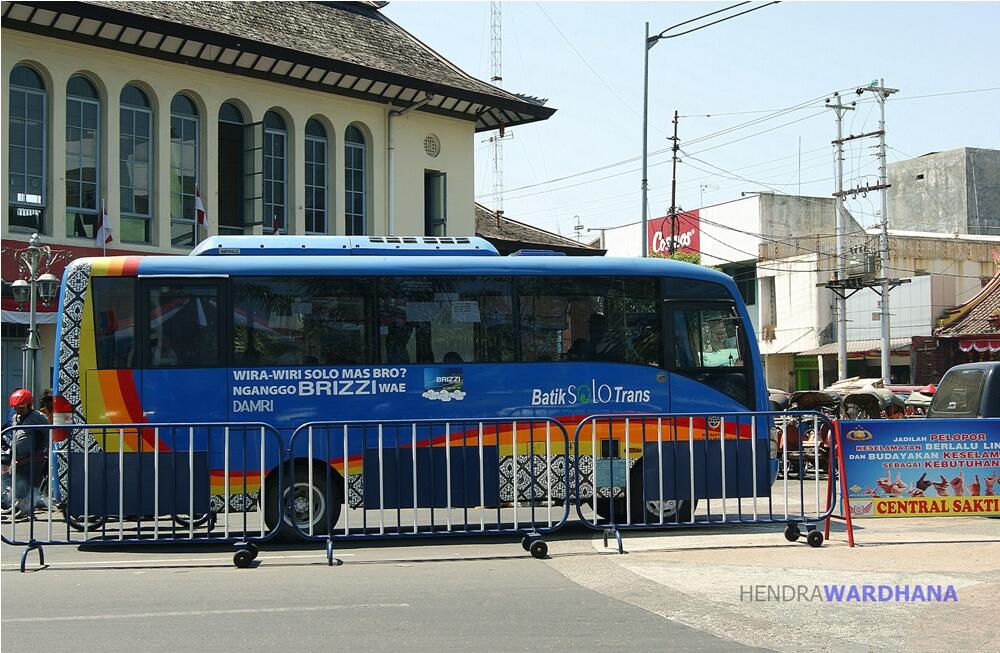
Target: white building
781	250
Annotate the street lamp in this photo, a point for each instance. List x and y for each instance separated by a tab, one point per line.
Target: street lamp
649	43
38	285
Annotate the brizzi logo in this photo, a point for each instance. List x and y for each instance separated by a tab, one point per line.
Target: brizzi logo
587	393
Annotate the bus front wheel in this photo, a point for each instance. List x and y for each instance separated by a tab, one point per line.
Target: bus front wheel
305	503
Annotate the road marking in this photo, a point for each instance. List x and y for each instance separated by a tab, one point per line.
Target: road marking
205	613
165	561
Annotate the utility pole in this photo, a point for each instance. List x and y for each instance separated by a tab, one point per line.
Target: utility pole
881	94
883	283
841	271
673	191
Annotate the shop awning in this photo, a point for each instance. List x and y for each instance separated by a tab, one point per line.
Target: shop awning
858	347
21	317
980	344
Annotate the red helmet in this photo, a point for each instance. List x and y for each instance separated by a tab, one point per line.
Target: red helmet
20	397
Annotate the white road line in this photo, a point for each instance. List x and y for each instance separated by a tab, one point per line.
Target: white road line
205	613
166	561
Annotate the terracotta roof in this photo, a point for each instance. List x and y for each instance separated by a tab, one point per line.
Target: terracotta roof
510	235
972	317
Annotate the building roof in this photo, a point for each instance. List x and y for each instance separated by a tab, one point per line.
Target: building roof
858	347
348	48
510	235
972	317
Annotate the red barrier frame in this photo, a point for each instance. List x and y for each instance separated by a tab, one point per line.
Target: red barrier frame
845	498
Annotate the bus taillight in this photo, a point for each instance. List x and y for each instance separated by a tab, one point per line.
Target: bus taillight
62	413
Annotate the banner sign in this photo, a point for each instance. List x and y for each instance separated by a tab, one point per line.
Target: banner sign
922	467
687	233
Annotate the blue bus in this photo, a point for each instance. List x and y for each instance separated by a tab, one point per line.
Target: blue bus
289	330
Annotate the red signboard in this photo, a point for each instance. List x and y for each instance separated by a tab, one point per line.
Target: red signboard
687	233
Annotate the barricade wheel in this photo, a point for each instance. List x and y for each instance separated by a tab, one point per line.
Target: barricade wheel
526	542
814	538
243	558
254	551
538	549
792	533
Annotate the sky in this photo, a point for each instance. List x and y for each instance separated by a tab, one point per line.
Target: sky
750	93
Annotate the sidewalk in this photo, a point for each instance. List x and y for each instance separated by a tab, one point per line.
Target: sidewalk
706	579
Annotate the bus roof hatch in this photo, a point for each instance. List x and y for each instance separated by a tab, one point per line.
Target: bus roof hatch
344	246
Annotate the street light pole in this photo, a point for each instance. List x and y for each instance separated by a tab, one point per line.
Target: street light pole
648	44
39	285
645	127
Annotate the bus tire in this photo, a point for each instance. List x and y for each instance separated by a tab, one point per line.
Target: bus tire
326	509
673	511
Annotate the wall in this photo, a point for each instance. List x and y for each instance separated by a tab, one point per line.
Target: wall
959	192
57	60
983	190
913	308
803	311
779	371
730	231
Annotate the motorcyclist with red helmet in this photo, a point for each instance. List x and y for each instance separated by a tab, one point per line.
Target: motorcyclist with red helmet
27	448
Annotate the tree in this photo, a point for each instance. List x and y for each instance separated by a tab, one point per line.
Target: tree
683	257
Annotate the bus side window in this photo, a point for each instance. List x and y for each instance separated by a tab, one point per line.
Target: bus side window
287	321
446	320
114	322
590	319
183	327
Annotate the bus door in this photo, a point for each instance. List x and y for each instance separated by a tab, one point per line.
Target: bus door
711	371
183	371
707	353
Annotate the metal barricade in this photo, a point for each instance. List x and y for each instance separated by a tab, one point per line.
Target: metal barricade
141	483
673	470
428	478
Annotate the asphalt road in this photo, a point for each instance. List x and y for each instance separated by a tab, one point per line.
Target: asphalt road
484	595
673	591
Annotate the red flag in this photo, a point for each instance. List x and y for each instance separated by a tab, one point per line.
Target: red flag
199	208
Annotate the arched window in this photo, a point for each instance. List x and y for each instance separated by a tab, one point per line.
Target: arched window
316	177
355	164
135	157
184	157
26	149
232	168
275	173
83	156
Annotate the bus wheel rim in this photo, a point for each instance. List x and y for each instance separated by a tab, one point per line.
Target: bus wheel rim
299	505
666	509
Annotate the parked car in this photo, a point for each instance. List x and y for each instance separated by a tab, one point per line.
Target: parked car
968	391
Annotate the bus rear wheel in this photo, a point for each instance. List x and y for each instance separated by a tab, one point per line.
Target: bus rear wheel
305	503
648	511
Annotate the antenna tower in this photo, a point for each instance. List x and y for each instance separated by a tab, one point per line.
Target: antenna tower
496	78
